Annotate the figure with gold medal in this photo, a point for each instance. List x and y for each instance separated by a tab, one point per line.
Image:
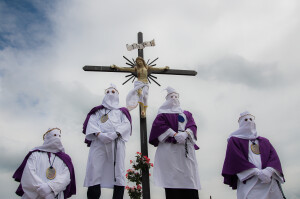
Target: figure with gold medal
46	172
139	94
252	165
107	128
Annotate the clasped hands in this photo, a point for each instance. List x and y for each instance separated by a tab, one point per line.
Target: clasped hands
45	191
181	137
107	137
264	175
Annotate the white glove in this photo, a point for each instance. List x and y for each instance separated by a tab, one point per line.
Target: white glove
257	171
180	137
107	137
171	133
265	175
44	189
50	196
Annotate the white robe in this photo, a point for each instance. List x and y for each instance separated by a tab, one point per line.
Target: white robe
253	188
100	165
34	174
172	169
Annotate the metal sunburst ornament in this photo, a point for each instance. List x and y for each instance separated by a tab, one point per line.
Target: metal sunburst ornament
133	75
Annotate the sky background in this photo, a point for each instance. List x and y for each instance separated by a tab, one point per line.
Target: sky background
246	54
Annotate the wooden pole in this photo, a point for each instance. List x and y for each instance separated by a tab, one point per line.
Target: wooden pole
144	139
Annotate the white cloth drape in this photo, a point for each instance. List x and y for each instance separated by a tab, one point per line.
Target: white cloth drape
133	99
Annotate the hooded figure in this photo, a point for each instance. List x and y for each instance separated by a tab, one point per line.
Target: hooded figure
252	165
107	128
174	133
46	172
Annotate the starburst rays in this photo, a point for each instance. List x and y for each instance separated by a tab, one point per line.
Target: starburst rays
134	75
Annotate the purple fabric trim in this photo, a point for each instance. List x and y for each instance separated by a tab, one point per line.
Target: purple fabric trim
164	121
70	189
94	110
86	121
236	159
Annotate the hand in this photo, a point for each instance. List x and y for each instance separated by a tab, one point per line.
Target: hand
172	134
50	196
113	66
180	137
257	171
265	175
167	67
44	190
107	137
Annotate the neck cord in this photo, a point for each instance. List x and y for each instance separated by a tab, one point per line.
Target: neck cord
253	142
105	111
51	165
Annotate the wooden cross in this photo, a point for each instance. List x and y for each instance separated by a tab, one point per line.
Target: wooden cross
143	123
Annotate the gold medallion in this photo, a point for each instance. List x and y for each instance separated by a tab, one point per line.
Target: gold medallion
104	118
51	173
255	149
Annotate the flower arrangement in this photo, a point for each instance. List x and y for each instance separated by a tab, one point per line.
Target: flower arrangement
135	175
134	192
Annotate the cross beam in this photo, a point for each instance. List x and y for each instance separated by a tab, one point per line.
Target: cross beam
166	72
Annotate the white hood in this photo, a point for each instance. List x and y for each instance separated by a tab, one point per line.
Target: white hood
111	98
52	141
172	104
247	127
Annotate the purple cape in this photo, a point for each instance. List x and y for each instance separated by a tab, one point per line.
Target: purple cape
70	189
164	121
236	159
94	110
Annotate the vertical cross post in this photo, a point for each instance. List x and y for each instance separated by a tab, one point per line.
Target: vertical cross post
143	135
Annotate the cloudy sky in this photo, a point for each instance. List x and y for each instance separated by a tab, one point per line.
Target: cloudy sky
246	54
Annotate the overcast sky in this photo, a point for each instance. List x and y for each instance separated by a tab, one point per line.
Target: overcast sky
246	54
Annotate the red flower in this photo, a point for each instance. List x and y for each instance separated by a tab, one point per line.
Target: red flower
149	174
131	161
151	164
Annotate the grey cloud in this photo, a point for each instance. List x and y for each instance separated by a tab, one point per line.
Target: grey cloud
9	160
238	70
